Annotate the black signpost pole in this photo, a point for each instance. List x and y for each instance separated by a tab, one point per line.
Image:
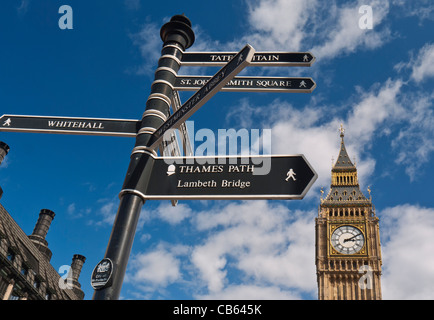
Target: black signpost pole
177	35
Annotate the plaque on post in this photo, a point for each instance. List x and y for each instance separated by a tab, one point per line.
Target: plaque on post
102	274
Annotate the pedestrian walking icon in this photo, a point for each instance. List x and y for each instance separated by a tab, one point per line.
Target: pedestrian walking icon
290	174
7	122
302	84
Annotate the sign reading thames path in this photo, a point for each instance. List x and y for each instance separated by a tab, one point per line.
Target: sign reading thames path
230	177
189	177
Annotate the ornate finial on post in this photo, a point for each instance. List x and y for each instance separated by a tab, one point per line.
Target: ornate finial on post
369	191
322	194
178	29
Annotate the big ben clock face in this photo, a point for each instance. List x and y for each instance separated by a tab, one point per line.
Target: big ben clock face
347	240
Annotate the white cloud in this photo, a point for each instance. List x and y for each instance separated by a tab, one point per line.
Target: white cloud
71	208
408	252
132	4
423	64
149	43
422	9
109	212
245	250
415	141
313	130
290	31
327	29
156	268
105	215
376	107
166	212
172	214
23	7
344	34
270	246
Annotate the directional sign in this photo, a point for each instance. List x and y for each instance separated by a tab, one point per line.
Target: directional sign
69	125
260	59
230	177
219	80
252	84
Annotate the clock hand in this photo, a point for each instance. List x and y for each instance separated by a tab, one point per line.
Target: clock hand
352	238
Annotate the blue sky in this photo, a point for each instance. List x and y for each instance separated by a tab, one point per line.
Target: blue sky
377	82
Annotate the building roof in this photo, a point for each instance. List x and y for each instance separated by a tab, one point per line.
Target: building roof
345	188
13	238
343	161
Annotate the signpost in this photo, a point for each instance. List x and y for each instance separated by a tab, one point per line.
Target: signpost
69	125
250	84
260	59
269	177
209	89
151	177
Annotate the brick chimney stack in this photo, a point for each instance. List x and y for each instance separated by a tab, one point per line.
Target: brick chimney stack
74	273
40	232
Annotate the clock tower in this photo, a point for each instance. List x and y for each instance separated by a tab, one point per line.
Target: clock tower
348	252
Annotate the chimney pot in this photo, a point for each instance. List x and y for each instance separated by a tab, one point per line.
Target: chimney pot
76	265
40	231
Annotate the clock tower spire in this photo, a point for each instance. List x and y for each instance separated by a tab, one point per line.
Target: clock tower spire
348	252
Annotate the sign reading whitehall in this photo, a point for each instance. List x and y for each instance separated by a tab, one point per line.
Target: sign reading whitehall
68	125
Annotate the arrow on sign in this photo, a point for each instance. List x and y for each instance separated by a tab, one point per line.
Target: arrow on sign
230	177
197	100
69	125
260	59
252	84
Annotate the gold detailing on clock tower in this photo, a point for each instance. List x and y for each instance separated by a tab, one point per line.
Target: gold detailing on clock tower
348	251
